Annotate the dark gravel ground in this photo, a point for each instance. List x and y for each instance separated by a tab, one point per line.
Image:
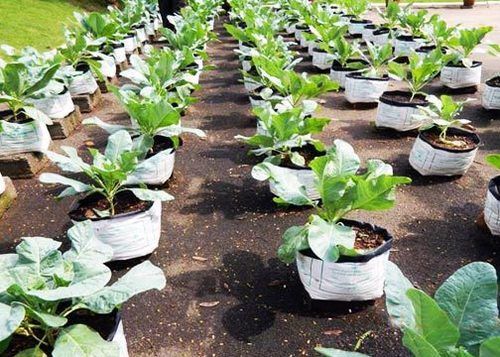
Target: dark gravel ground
223	215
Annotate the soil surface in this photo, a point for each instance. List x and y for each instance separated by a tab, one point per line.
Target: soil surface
405	97
227	294
466	142
494	82
367	238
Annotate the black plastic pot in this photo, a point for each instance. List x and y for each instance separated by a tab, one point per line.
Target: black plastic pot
461	65
493	82
386	98
360	76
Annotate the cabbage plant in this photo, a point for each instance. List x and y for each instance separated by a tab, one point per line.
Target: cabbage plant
342	189
377	57
282	132
463	44
42	287
106	175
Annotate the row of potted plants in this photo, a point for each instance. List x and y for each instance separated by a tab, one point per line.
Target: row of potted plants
59	303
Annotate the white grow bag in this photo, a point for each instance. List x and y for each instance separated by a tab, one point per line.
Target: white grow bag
339	76
2	184
150	29
155	170
58	106
84	83
492	207
20	138
404	48
491	97
305	177
356	28
140	33
120	340
131	235
290	29
312	45
304	43
246	65
322	60
349	279
379	39
398	116
108	67
251	86
430	161
119	54
257	103
360	89
130	44
461	77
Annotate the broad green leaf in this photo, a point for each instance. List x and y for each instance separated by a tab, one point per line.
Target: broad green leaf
431	322
325	237
493	160
145	194
490	347
81	341
294	240
42	317
141	278
418	345
469	297
76	187
31	352
333	352
85	246
399	306
118	143
10	319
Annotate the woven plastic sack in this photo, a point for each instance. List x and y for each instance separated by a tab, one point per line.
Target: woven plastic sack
461	77
55	107
155	170
21	138
364	90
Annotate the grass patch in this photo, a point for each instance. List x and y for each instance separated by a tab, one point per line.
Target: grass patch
39	23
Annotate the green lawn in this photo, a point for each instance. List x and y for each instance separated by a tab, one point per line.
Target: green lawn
39	23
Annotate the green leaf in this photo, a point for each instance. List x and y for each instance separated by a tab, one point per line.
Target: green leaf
10	319
431	322
81	341
333	352
118	143
469	297
490	347
145	194
31	352
85	246
141	278
399	306
75	188
493	160
418	345
325	237
42	317
294	240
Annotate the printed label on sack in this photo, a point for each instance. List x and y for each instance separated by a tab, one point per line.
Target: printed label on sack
491	97
21	138
364	90
457	77
396	117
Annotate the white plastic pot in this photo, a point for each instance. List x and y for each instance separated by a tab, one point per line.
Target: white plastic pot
119	54
84	83
357	27
156	24
155	170
491	97
16	138
492	207
2	184
379	39
130	44
246	65
461	77
120	340
58	106
432	161
256	103
322	60
359	89
312	45
140	33
397	115
244	48
108	67
359	278
404	46
305	177
304	43
339	74
150	29
290	29
131	235
251	86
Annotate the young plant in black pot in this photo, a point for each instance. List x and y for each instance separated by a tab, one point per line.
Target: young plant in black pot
397	109
444	146
285	138
60	304
347	59
155	129
491	95
322	246
368	85
462	71
126	218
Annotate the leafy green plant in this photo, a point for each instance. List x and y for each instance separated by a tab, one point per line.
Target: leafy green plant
283	132
393	14
19	83
355	7
328	35
442	114
414	21
107	174
462	45
377	57
461	319
419	72
438	32
149	118
42	287
342	190
344	51
493	160
100	26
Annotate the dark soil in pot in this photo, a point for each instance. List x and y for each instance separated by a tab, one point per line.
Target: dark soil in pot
494	82
407	38
381	31
352	65
494	187
402	99
355	75
82	67
370	26
8	115
402	60
162	143
125	204
308	152
368	237
362	21
106	325
471	140
302	27
356	36
461	65
426	49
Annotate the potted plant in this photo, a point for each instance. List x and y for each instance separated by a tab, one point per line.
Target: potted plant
368	85
391	20
285	139
60	304
347	60
338	259
443	147
491	95
155	128
413	23
23	126
397	109
462	316
324	52
462	71
126	218
356	8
